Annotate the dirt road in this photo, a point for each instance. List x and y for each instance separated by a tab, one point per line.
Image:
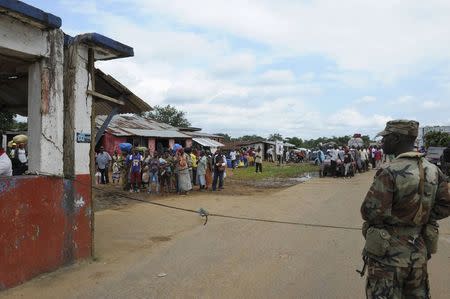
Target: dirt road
144	251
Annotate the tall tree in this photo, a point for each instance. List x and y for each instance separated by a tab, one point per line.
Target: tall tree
298	142
275	137
8	122
437	138
249	138
226	137
169	115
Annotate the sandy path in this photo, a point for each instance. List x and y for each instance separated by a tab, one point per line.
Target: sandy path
230	258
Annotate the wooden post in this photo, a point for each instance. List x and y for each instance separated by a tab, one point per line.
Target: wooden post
69	111
91	70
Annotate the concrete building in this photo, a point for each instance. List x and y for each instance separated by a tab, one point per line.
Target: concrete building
47	219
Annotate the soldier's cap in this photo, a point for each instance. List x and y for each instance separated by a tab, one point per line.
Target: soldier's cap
401	126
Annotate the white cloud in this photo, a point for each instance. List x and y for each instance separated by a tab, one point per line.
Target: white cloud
366	99
278	76
189	54
402	100
352	118
380	37
431	104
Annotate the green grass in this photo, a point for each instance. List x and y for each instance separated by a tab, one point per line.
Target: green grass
271	170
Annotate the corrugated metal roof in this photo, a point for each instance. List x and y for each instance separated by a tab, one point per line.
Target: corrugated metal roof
107	85
134	125
158	133
207	142
201	134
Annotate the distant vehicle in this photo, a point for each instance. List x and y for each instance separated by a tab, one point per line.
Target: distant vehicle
434	154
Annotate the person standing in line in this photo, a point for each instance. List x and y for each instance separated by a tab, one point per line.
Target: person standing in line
184	178
102	161
194	166
117	164
12	152
219	164
378	158
258	160
5	163
347	159
401	210
373	150
201	171
321	161
171	171
19	159
154	167
233	158
125	171
364	159
334	157
187	153
209	169
135	162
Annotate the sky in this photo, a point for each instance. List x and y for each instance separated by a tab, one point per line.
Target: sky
301	68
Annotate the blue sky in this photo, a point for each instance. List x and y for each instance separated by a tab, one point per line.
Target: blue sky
299	68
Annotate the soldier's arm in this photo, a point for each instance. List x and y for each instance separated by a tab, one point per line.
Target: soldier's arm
377	204
441	208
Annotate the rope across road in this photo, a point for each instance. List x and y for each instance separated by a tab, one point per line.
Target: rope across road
206	214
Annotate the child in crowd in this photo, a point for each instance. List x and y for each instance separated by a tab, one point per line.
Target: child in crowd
116	172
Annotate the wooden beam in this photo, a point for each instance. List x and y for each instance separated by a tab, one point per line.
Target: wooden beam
105	97
105	125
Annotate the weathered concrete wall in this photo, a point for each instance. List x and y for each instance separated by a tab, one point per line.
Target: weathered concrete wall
45	108
41	228
83	109
45	222
22	38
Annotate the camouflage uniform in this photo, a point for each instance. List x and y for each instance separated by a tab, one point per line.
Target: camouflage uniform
399	203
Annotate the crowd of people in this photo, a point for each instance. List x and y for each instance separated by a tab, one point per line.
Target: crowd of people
346	161
172	171
245	157
13	161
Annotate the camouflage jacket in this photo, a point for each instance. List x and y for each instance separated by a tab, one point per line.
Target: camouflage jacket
400	203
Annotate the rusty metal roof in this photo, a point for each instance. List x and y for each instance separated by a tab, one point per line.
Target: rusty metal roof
107	85
134	125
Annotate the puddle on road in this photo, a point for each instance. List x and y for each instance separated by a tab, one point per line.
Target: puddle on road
305	177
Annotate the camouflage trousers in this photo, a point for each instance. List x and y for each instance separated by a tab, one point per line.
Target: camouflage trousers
388	282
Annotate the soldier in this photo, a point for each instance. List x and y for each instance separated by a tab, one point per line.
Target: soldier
401	211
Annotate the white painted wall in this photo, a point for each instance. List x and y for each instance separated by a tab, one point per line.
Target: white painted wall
46	109
18	36
45	121
83	110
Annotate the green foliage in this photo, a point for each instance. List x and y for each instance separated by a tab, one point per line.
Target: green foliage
298	142
275	137
366	140
169	115
249	138
436	138
311	143
8	122
226	137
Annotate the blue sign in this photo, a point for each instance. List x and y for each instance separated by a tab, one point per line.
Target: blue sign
83	138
